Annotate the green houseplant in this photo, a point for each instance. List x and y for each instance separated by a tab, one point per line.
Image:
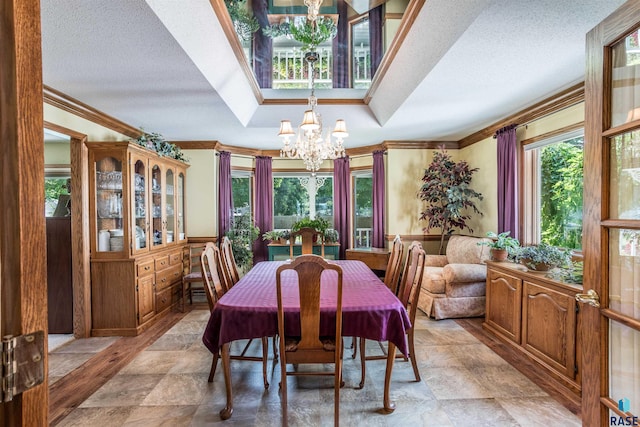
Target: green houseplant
272	235
501	246
331	235
242	235
311	34
156	142
446	190
543	257
244	23
318	224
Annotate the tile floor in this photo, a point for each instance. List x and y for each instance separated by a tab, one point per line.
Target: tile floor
463	383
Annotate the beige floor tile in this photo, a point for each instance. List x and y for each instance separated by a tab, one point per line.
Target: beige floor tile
61	364
123	390
539	411
153	362
157	416
103	417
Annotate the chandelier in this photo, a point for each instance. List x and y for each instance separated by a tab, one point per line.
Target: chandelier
310	146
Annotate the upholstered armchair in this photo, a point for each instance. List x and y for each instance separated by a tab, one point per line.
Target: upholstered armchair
453	285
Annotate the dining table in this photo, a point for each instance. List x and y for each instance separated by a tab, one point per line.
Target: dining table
250	310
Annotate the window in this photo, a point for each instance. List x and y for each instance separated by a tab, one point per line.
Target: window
553	191
299	196
362	209
56	189
241	192
361	58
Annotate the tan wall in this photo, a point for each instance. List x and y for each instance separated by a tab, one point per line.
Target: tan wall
483	155
202	193
404	170
93	131
566	117
57	153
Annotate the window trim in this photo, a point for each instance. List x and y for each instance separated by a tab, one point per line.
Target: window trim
529	194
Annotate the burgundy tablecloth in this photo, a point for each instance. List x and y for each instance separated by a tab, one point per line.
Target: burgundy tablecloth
249	309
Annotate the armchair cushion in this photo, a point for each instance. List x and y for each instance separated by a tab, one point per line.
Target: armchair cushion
432	280
465	250
436	260
464	273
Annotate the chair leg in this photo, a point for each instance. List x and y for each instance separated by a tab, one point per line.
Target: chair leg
338	383
275	349
265	352
214	364
354	346
363	357
184	296
283	389
412	356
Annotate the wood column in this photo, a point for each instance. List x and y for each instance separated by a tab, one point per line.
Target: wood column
23	275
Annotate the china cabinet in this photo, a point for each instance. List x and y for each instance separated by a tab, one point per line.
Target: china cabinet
537	316
137	236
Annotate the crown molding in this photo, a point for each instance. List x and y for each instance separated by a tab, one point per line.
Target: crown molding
196	145
71	105
420	145
555	103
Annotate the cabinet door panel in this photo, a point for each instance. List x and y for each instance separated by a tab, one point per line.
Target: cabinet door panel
504	295
145	299
549	327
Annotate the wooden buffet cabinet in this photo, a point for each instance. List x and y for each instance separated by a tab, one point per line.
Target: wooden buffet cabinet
137	236
539	317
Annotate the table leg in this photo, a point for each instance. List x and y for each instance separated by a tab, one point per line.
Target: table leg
225	414
389	406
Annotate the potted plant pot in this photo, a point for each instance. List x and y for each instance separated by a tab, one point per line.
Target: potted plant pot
499	254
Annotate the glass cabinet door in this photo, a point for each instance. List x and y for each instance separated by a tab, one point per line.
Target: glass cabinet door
109	208
140	230
156	206
170	214
180	206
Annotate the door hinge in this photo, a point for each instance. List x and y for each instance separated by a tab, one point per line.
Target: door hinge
22	363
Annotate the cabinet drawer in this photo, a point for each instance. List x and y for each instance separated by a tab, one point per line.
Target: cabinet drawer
145	268
168	276
162	262
163	300
175	258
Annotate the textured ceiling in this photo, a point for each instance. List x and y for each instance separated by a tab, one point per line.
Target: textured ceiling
167	66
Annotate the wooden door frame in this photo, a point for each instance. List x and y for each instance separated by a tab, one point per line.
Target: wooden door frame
80	243
594	330
23	272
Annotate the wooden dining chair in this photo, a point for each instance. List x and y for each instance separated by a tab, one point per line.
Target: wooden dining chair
215	288
192	278
394	265
230	266
391	277
309	236
310	347
407	294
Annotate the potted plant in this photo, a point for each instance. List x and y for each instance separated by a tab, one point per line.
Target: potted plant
244	23
319	224
542	257
242	234
446	189
331	235
272	235
284	236
310	33
501	246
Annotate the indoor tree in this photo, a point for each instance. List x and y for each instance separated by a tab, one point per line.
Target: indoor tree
449	198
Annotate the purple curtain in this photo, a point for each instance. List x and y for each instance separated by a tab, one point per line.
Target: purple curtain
341	47
263	206
376	20
377	240
262	45
341	202
507	206
225	196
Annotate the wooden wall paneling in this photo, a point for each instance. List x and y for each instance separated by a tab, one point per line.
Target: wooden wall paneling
80	243
23	276
59	276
